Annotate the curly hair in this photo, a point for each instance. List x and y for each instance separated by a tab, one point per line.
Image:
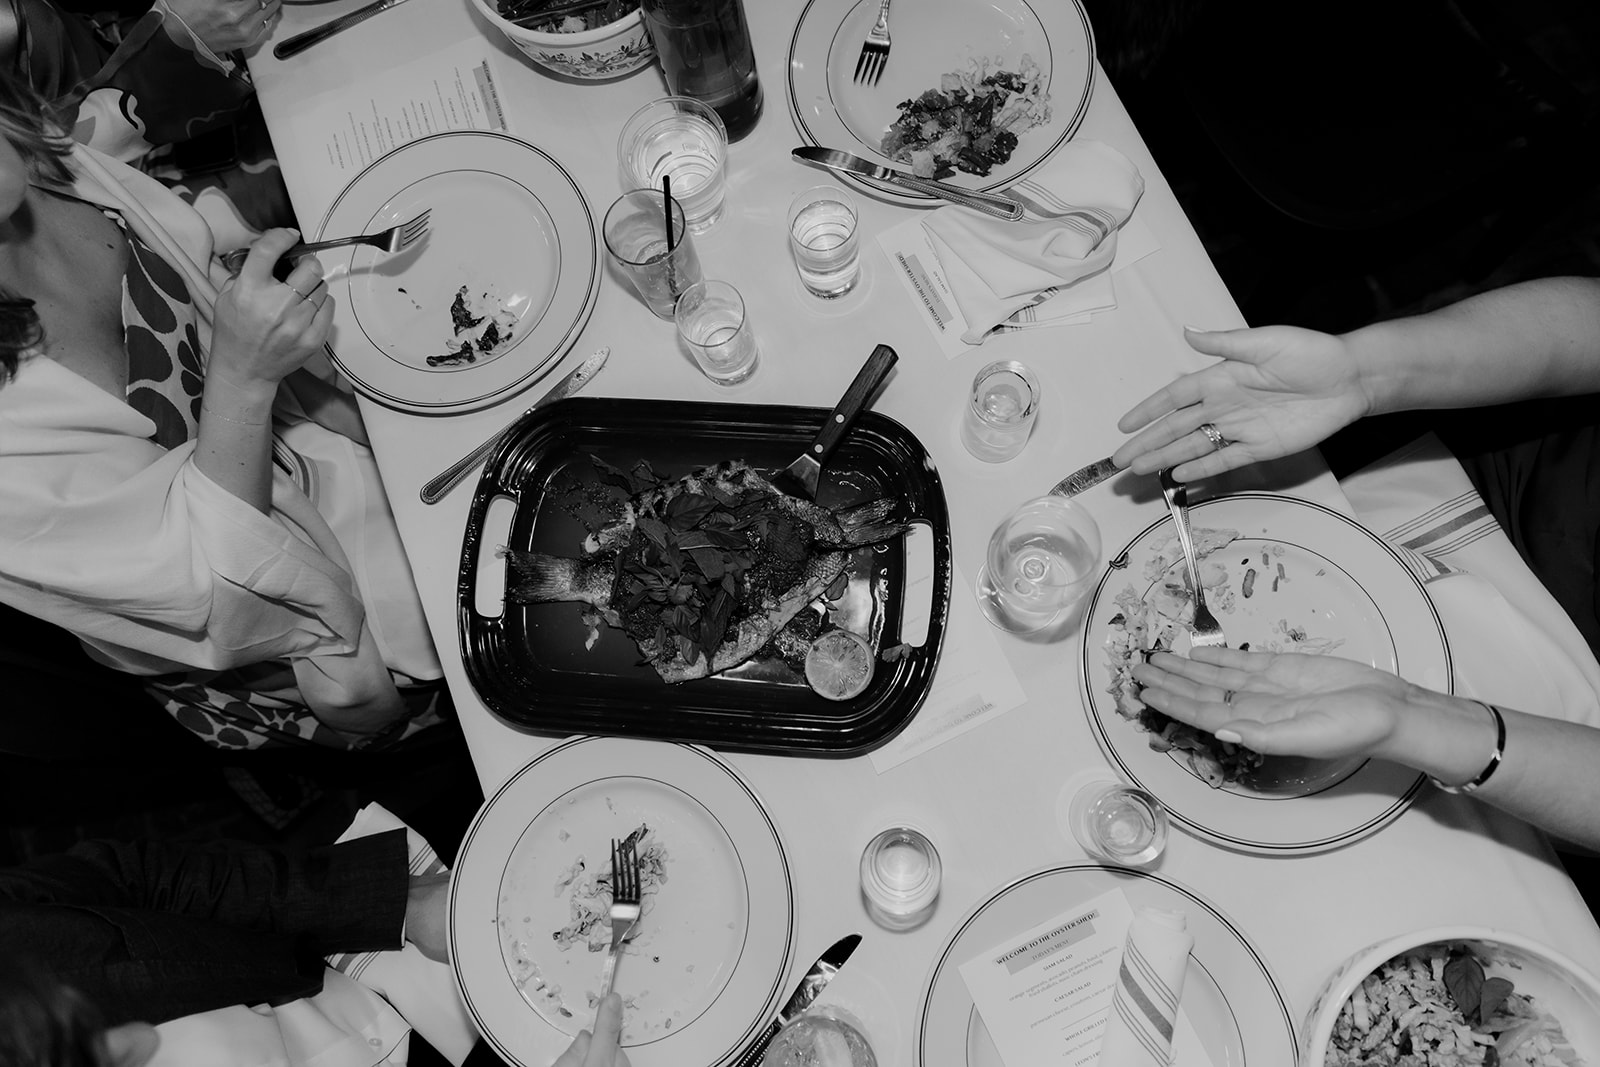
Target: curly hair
27	122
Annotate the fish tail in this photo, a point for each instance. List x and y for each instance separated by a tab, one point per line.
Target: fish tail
864	524
538	578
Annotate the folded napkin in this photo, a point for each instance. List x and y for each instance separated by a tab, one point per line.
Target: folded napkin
424	991
1144	1008
1510	641
1075	207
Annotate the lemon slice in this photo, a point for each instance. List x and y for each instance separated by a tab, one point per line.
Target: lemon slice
839	664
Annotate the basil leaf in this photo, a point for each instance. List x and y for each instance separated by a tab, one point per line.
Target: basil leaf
685	512
1463	977
1494	994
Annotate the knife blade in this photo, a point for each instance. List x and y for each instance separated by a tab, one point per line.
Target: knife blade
293	46
1001	207
435	488
1085	477
820	974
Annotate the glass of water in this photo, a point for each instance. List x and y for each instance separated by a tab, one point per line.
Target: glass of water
1041	561
684	139
823	1036
1000	411
1118	823
635	232
823	239
712	322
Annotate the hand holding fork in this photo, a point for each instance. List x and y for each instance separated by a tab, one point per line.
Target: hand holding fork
625	906
394	239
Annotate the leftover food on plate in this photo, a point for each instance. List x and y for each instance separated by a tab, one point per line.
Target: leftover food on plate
1152	621
1436	1006
480	324
970	122
706	571
527	13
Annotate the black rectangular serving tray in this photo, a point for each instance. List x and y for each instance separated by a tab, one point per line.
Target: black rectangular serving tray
530	665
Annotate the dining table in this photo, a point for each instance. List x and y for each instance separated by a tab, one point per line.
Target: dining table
988	788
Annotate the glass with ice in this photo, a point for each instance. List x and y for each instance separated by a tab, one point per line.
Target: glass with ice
826	1036
682	139
824	240
1000	411
1042	559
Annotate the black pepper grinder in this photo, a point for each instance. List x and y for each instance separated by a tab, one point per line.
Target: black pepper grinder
705	52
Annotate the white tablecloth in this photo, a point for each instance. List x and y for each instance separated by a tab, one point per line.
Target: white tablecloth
988	797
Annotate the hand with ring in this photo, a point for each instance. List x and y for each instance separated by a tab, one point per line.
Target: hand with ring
1276	391
223	25
264	329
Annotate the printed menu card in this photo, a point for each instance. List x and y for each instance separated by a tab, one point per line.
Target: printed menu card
1045	992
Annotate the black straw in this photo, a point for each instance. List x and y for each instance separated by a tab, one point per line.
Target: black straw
666	201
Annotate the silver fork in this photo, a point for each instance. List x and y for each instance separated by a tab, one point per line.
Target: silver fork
1205	631
624	904
875	49
389	241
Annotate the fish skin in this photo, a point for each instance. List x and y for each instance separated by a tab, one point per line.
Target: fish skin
541	578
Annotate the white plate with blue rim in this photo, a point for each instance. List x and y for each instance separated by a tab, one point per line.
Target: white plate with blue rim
930	39
510	240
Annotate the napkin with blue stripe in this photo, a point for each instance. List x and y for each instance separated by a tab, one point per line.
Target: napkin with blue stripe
1074	208
1144	1007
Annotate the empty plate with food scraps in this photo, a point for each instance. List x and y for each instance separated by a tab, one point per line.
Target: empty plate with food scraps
530	904
979	95
495	292
1281	575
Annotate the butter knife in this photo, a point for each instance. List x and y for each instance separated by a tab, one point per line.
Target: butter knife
293	46
1085	477
446	480
1001	207
820	974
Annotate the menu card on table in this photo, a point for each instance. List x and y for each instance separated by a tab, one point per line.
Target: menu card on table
452	89
1044	993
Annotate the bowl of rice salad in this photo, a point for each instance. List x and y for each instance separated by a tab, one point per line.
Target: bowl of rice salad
1457	996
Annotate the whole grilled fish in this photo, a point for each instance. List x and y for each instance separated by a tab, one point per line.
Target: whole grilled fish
600	578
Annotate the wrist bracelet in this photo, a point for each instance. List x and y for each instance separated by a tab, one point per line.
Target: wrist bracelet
1494	757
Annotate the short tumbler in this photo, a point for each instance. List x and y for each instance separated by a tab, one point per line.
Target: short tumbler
712	322
824	240
635	231
684	139
1000	411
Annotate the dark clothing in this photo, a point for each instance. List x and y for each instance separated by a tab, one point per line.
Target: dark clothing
152	931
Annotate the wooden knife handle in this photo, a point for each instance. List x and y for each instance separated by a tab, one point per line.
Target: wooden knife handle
851	404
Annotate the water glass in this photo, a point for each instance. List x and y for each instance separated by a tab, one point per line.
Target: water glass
900	875
1117	823
684	139
635	230
1041	561
1000	411
712	322
823	239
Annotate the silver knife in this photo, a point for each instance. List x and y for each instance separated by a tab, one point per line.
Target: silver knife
446	480
820	974
1001	207
293	46
1084	477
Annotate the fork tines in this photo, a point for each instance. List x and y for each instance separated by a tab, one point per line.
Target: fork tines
411	231
869	68
624	872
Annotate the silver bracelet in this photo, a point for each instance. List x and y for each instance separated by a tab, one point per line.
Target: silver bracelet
1494	758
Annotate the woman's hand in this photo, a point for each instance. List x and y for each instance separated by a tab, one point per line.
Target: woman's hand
1277	391
264	329
603	1048
1291	704
225	25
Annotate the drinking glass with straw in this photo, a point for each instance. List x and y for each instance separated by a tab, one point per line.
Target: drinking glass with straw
659	261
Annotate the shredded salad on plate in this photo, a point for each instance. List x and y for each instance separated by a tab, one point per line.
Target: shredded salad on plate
1435	1006
970	122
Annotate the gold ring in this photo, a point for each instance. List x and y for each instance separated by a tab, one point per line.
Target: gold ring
296	292
1214	435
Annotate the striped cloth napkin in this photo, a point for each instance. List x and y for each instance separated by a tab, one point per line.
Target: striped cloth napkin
1144	1008
422	990
1510	641
1075	208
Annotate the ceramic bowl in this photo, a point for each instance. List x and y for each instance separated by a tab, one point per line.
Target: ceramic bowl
1556	984
608	51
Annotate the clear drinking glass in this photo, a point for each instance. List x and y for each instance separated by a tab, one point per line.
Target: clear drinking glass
1000	411
823	239
1041	561
712	322
1117	823
824	1036
900	875
685	139
635	230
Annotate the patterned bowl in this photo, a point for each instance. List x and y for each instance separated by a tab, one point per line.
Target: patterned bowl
1556	984
608	51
